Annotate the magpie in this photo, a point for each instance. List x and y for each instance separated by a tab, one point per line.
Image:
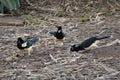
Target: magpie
88	44
58	35
26	44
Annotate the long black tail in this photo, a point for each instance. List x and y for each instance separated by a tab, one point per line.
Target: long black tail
103	37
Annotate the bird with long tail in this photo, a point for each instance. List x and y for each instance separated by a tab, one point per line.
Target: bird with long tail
27	44
88	44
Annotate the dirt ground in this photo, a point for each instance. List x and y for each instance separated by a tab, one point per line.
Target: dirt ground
98	64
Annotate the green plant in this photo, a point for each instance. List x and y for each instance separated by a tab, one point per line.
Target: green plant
31	20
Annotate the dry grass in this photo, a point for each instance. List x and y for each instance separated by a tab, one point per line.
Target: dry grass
74	8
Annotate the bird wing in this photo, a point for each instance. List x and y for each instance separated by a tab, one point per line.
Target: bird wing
35	40
29	43
88	42
52	33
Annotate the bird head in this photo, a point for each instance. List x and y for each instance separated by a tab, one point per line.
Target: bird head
59	27
73	48
19	43
76	48
20	40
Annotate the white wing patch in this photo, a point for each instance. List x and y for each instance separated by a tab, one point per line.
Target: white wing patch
59	31
24	44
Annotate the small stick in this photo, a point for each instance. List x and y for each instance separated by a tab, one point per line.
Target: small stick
112	43
53	58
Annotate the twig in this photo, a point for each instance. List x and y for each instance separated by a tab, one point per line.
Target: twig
107	76
100	33
42	29
110	4
97	20
28	2
53	58
108	69
112	43
113	72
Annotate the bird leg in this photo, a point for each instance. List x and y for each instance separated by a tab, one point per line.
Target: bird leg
59	42
96	46
55	41
29	50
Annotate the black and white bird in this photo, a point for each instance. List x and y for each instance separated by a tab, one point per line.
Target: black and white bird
27	44
58	35
88	43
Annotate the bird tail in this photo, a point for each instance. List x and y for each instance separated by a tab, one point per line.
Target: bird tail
103	37
35	40
52	33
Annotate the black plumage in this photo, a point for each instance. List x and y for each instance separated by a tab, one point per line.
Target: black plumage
20	41
88	43
58	35
26	44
